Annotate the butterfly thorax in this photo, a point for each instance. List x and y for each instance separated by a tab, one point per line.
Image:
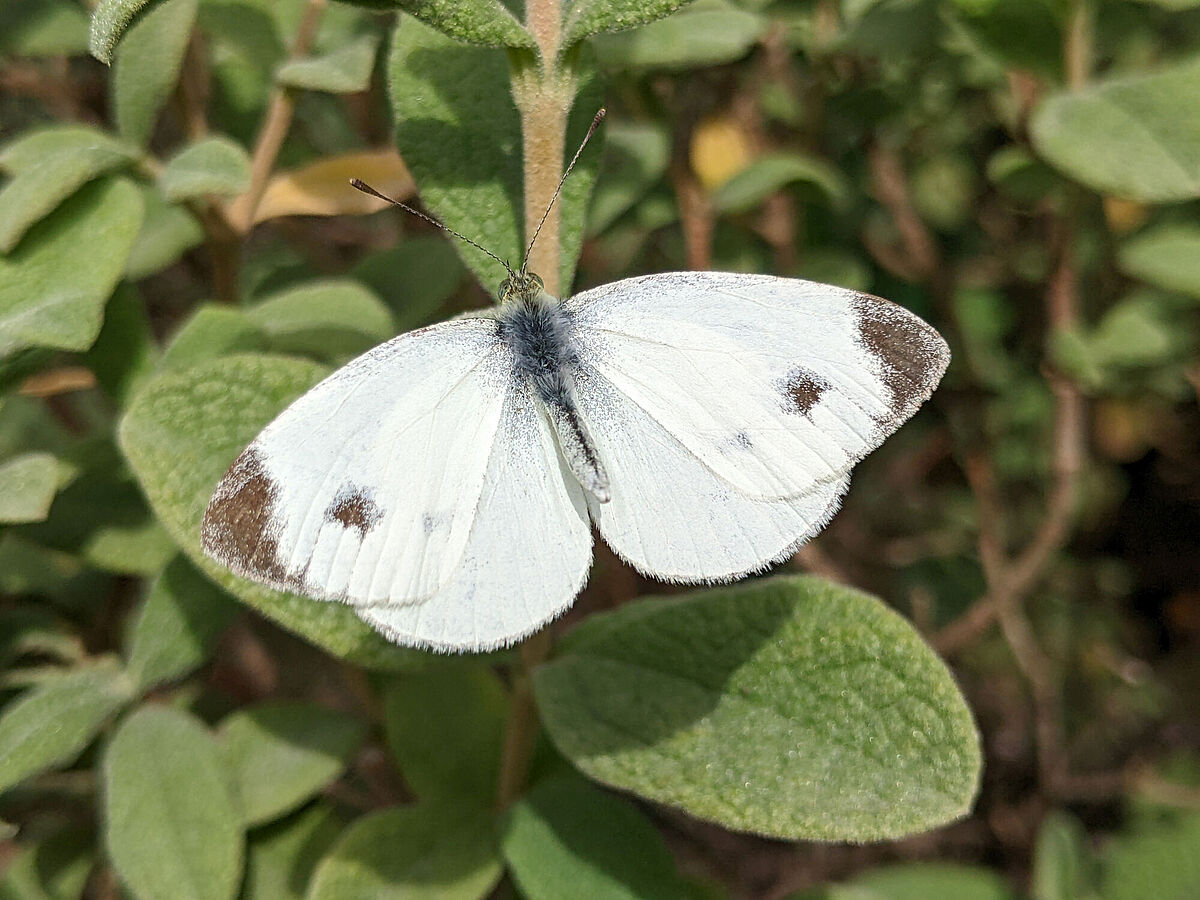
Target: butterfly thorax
538	331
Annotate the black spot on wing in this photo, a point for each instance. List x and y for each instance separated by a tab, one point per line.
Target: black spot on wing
354	507
801	390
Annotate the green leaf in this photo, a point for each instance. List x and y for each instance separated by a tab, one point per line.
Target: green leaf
53	287
214	165
50	725
147	66
280	754
1167	256
445	726
421	852
282	856
168	231
55	868
789	707
28	484
588	17
1158	860
62	167
124	352
325	319
182	432
414	278
177	625
927	881
460	135
706	33
35	28
635	158
170	824
1135	137
1059	859
213	331
566	838
346	70
769	174
488	23
109	21
1024	34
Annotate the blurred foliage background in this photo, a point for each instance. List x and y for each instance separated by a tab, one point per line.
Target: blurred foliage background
1025	174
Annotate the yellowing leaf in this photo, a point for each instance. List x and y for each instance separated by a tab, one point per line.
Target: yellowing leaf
1124	215
323	188
720	149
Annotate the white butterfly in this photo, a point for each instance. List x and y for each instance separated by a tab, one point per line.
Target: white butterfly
445	482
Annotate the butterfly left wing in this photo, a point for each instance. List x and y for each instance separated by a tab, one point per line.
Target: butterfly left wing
528	553
777	385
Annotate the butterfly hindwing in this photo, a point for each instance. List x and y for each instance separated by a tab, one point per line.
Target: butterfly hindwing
777	385
366	488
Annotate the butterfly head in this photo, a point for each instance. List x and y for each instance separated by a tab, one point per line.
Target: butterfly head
519	286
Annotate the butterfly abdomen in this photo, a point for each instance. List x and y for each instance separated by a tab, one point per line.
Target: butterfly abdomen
538	331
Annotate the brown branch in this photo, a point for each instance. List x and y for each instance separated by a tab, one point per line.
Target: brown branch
891	187
521	732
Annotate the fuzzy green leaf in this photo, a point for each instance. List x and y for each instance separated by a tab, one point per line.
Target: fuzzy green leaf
587	17
213	331
769	174
460	135
168	231
177	625
446	729
49	725
1135	137
63	166
182	432
421	852
280	754
1167	256
147	66
706	33
282	856
325	319
414	278
109	21
53	287
171	827
345	70
567	838
27	486
788	707
214	165
487	23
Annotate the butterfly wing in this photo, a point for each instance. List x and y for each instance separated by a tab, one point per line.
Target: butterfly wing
366	488
778	386
528	553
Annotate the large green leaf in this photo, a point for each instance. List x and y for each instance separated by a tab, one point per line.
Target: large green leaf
282	856
460	135
789	707
1136	137
345	70
147	66
50	724
177	625
446	729
328	319
181	433
567	838
414	278
171	826
587	17
27	486
168	231
53	286
65	160
280	754
1167	256
485	22
423	852
706	33
214	165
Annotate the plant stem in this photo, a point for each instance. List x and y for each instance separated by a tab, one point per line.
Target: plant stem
521	732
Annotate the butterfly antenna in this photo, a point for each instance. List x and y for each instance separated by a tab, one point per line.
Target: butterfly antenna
367	189
574	159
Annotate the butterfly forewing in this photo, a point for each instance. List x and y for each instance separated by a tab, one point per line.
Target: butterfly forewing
777	385
365	489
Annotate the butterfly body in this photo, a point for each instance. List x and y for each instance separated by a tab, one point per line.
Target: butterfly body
446	482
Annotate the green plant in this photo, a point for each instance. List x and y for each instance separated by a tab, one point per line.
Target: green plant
181	255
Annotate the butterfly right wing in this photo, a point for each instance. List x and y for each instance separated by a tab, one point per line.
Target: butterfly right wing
366	488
